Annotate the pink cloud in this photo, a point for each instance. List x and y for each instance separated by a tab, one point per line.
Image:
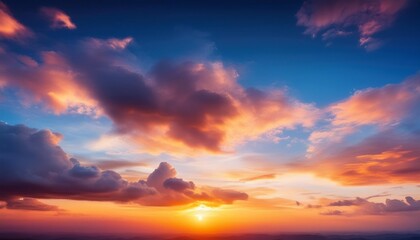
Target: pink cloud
369	17
182	107
383	107
58	18
9	26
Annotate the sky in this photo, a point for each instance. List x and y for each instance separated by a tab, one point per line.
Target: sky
209	116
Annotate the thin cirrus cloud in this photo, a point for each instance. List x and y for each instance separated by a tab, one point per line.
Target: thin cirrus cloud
34	166
176	106
58	19
10	27
339	18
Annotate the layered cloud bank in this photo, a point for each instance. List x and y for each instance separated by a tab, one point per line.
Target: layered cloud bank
34	166
362	206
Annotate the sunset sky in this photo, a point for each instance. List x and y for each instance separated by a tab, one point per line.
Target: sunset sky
209	116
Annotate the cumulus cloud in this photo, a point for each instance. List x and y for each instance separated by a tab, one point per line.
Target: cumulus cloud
177	107
57	18
178	184
34	166
336	18
9	26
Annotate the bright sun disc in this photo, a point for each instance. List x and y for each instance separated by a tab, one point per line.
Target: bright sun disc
199	217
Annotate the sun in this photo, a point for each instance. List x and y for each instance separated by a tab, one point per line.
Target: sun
199	217
200	212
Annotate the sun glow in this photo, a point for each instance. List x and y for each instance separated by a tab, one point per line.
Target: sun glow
199	217
200	212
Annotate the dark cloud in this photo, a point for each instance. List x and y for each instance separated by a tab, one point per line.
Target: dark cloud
365	207
32	165
175	106
179	185
341	203
29	204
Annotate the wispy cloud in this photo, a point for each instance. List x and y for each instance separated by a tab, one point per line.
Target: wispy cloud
57	18
9	26
335	18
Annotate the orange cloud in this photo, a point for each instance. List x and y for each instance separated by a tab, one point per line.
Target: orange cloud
259	177
50	82
58	18
383	107
391	156
386	105
9	26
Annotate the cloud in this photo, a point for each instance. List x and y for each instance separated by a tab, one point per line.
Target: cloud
259	177
113	43
365	207
29	204
228	195
114	164
50	82
382	106
390	156
334	18
10	27
388	153
385	107
177	106
332	213
179	185
34	166
57	18
341	203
